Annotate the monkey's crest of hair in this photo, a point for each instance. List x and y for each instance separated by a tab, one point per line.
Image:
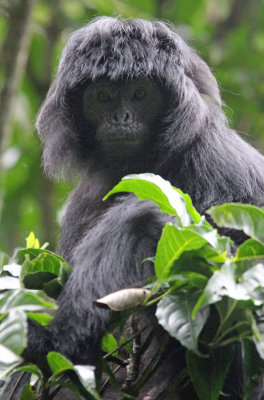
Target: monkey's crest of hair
118	49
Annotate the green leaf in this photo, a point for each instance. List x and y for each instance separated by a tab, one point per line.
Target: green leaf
152	187
258	340
174	313
53	260
250	249
58	363
86	376
53	287
252	282
222	283
186	280
208	374
236	321
245	217
207	233
254	365
13	333
36	280
31	369
22	299
173	242
252	361
219	243
249	254
42	319
108	343
43	269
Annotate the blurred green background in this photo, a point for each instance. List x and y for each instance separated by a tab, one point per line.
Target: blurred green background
228	34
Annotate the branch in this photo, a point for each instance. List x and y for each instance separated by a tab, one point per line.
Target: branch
240	9
13	60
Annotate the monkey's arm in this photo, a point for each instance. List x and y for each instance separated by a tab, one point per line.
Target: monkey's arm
108	258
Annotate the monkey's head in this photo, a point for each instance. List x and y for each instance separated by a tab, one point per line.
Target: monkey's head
122	114
124	89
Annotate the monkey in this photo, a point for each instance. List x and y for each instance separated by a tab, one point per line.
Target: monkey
131	96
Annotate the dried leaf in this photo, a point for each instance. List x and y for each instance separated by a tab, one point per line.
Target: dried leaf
123	299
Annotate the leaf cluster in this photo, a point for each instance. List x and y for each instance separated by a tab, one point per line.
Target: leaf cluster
209	293
29	286
209	296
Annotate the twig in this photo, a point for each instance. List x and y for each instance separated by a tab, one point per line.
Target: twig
134	360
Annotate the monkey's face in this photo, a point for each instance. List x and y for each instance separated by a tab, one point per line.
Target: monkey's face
122	114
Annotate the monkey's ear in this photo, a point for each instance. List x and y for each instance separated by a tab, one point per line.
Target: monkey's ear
60	148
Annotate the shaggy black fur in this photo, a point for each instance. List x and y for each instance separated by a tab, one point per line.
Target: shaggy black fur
192	147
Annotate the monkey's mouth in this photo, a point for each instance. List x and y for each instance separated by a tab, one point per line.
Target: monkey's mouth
121	146
125	140
122	142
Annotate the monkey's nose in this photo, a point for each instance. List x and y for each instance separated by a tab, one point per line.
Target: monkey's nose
122	117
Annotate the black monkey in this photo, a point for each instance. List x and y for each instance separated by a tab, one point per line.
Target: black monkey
131	96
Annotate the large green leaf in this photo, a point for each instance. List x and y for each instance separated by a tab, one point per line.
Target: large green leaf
22	299
152	187
42	269
222	283
252	281
60	364
39	260
13	333
249	286
174	313
31	369
86	376
245	217
253	363
208	374
250	249
31	254
173	242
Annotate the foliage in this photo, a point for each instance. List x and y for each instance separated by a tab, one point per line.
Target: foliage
199	277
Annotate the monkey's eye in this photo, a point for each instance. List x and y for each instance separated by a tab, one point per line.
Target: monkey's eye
103	96
139	94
